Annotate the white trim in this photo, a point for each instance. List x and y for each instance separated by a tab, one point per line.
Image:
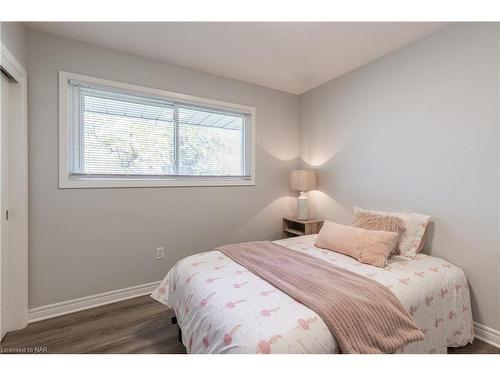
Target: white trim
498	202
66	182
488	335
11	65
67	307
17	258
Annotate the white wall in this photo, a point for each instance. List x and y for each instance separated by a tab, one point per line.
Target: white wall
88	241
418	130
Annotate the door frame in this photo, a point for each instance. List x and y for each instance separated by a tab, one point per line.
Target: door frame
15	313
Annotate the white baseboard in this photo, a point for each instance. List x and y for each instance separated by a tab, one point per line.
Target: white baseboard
67	307
488	335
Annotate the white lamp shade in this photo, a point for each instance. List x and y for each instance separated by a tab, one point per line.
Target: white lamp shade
303	179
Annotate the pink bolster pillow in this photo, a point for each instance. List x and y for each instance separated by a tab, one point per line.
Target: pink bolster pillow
367	246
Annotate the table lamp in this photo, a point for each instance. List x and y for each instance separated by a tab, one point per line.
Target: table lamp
303	180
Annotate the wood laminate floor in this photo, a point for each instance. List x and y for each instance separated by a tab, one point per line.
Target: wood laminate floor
138	325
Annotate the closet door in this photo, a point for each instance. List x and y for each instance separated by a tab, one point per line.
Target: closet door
4	172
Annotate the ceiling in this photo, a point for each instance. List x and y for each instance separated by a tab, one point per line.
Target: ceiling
288	56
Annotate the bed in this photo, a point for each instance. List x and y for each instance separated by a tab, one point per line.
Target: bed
221	307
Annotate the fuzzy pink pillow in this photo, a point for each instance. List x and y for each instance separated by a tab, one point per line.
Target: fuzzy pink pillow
371	221
412	239
367	246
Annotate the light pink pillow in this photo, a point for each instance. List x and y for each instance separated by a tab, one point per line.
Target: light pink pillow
412	238
367	246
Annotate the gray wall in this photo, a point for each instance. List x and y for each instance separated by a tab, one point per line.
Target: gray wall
418	130
88	241
14	38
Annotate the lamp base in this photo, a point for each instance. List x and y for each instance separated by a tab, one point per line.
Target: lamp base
302	207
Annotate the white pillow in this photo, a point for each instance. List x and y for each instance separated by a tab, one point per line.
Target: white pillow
411	240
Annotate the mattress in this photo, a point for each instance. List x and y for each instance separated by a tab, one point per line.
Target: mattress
223	308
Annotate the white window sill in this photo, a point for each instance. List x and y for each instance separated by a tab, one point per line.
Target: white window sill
90	183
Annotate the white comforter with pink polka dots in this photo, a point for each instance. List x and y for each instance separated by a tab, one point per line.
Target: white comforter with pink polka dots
223	308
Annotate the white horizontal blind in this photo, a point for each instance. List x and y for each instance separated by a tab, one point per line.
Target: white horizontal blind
117	134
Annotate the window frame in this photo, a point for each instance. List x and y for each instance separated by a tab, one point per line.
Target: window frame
66	181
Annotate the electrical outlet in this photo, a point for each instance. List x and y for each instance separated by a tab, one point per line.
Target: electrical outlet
160	252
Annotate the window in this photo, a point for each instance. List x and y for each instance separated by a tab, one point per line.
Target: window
119	135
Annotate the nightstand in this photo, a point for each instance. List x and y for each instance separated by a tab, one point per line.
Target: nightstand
294	227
